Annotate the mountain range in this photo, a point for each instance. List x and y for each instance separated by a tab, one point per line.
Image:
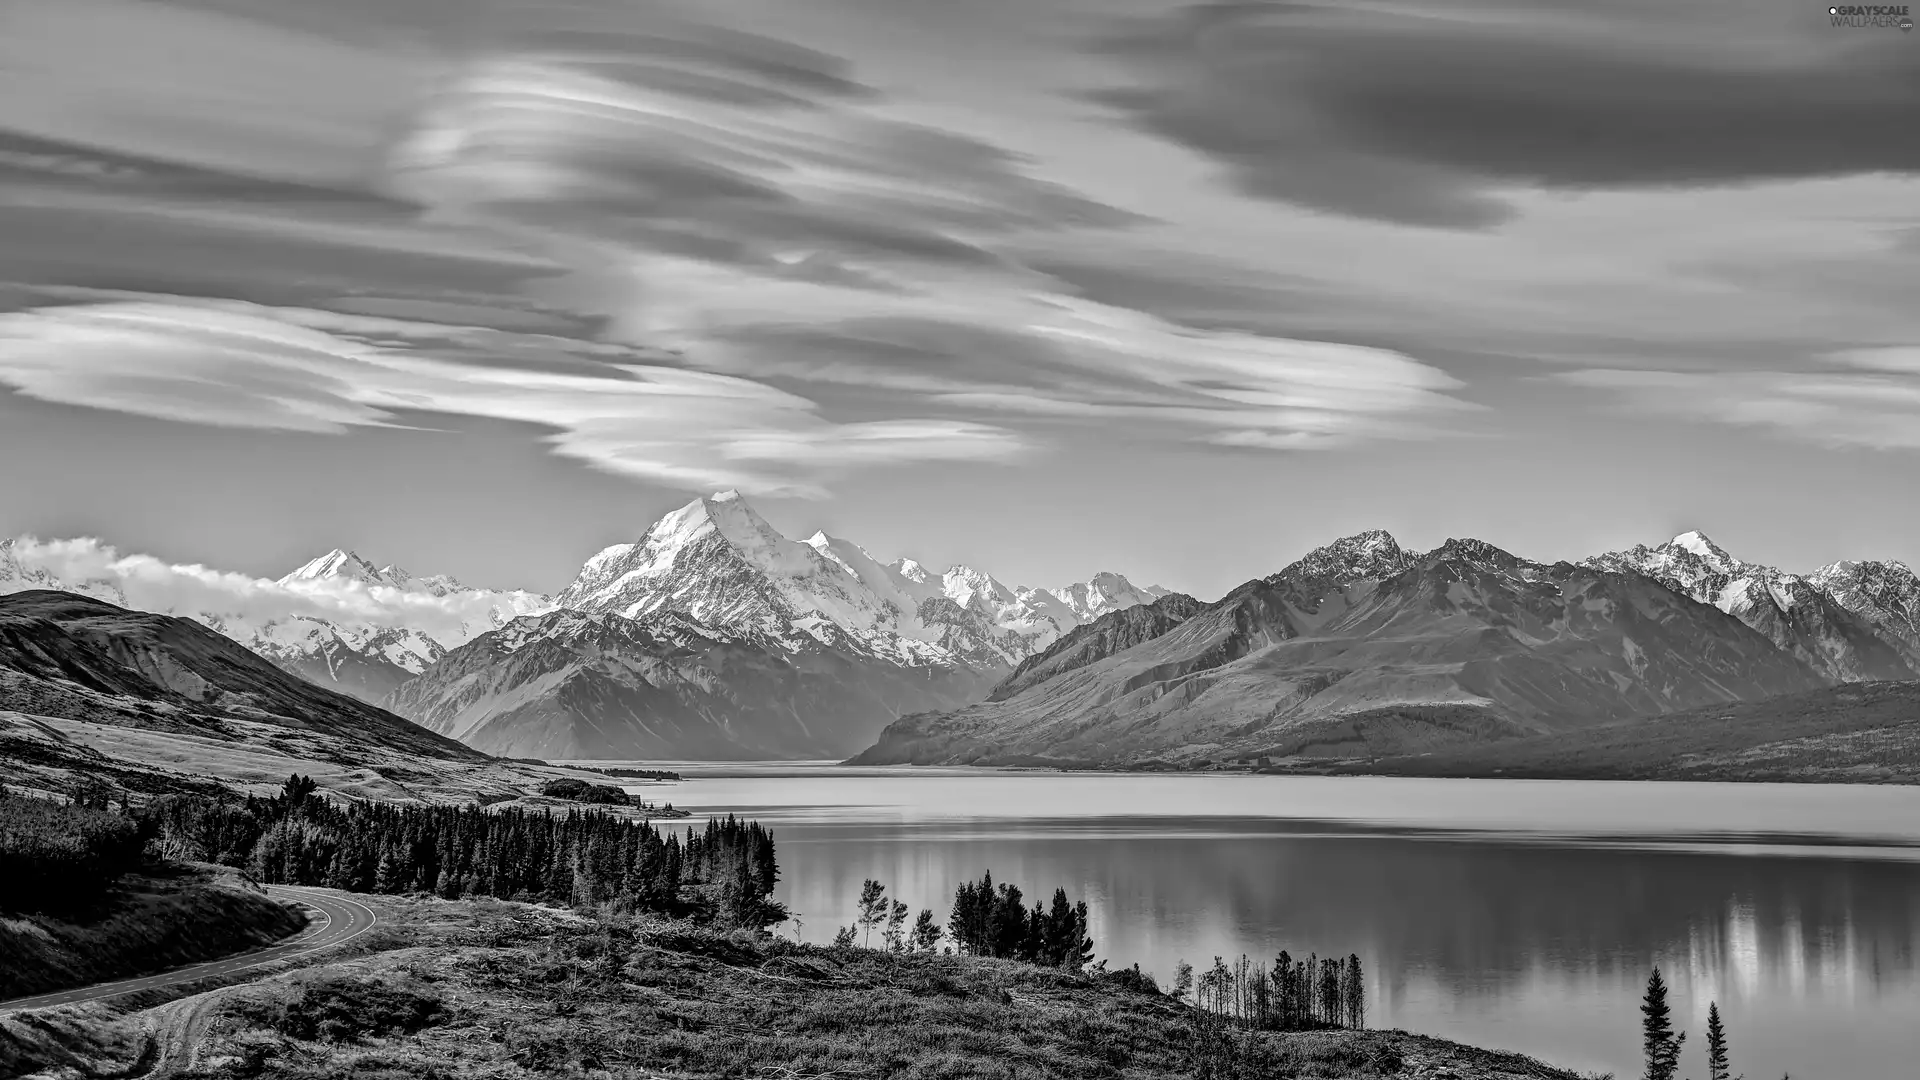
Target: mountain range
713	635
1363	648
710	635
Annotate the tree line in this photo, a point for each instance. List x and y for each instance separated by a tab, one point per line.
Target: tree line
985	920
585	858
1294	995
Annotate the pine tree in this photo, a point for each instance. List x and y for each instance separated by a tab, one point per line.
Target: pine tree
1661	1044
873	908
925	935
895	933
1716	1045
1182	981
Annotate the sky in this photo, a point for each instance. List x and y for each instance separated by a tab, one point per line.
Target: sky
1041	286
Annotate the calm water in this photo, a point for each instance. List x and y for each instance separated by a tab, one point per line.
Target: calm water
1514	914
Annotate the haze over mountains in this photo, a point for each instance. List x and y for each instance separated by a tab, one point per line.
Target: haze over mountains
712	635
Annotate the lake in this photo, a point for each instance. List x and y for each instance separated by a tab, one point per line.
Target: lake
1522	915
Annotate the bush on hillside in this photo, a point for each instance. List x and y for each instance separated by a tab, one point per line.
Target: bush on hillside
55	857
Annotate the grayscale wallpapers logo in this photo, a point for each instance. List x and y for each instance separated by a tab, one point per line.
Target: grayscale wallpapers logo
1892	16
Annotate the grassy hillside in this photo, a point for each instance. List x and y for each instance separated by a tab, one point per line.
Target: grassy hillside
149	921
58	650
1856	733
507	991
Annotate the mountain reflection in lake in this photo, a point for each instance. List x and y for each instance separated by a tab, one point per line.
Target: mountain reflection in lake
1516	915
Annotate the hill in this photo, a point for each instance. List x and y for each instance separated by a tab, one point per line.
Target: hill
1361	626
54	644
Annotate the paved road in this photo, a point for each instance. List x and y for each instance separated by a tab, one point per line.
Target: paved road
345	920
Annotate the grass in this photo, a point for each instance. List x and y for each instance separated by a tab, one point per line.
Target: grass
518	993
147	922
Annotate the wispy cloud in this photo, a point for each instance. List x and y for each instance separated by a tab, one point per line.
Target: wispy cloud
1874	402
237	365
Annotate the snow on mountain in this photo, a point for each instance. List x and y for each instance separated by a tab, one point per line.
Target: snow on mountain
338	620
1372	554
721	564
568	684
1801	615
1885	594
1356	649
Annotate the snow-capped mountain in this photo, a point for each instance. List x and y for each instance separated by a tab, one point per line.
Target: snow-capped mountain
1371	554
721	564
1801	615
343	565
337	621
568	684
1356	649
1885	594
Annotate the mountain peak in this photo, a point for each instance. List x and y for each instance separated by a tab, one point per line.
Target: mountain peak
1371	554
1478	552
1697	543
341	563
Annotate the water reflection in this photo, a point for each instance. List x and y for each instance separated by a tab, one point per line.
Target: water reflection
1496	937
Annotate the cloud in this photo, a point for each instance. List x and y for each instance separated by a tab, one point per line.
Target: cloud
238	365
1429	114
241	603
743	227
1050	356
1874	404
845	194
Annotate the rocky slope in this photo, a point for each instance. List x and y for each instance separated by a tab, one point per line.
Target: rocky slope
569	685
1884	594
60	652
1801	615
1361	625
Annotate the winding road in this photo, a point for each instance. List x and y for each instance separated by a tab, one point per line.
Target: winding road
345	920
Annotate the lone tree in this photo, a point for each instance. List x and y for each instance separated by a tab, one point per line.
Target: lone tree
1716	1045
895	933
1662	1045
873	908
925	935
1182	981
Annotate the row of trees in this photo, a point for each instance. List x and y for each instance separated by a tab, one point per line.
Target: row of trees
890	917
985	921
1294	995
990	921
725	871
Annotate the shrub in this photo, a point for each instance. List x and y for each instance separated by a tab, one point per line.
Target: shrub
342	1008
55	857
